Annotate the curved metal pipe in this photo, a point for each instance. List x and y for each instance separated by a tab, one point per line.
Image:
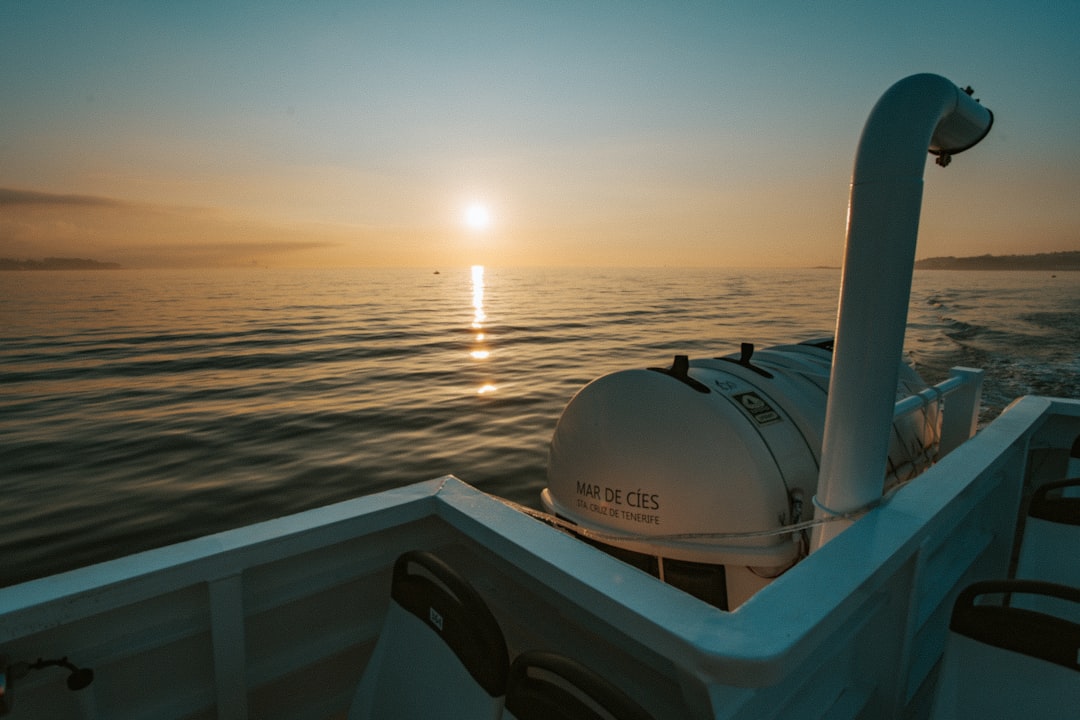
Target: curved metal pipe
917	114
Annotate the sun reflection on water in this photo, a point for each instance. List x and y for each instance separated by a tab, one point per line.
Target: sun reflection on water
480	350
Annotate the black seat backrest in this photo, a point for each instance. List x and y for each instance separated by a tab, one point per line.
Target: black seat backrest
440	652
459	616
1019	629
1053	502
548	686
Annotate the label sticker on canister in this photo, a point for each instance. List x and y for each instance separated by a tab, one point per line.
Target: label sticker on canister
758	409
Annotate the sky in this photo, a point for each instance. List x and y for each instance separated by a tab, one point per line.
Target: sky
722	133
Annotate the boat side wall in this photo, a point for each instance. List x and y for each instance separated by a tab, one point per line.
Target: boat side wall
854	631
872	606
271	620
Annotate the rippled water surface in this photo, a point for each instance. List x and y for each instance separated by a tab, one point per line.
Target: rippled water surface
139	408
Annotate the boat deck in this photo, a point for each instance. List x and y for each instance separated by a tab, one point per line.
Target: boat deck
278	619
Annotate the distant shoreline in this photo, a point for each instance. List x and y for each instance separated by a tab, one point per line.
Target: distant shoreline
51	263
1056	262
1049	262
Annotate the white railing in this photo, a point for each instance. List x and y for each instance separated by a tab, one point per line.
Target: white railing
963	388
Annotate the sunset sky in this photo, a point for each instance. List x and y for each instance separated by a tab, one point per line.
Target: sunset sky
440	134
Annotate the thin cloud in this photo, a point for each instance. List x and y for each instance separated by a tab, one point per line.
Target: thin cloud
13	197
37	224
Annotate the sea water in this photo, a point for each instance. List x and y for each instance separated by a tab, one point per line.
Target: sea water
140	408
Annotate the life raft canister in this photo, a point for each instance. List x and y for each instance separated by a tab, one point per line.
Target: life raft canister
642	461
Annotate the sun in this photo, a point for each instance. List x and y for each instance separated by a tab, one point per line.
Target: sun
477	216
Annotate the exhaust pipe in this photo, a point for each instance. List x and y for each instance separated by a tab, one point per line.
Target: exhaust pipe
919	113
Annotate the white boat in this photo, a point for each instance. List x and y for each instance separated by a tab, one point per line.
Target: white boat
857	612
